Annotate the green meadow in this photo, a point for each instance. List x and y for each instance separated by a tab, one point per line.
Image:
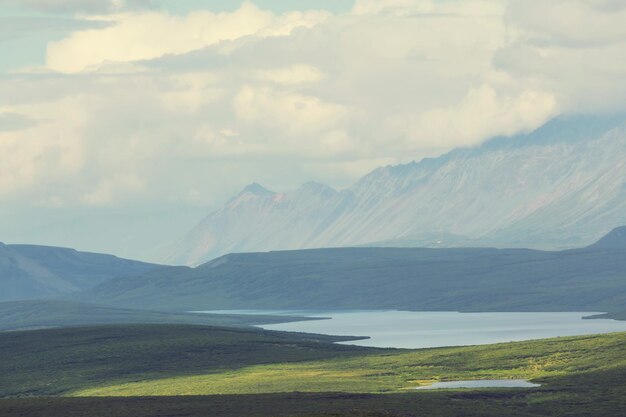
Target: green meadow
171	370
397	371
61	361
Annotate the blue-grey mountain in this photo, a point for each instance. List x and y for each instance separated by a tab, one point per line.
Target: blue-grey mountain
428	279
29	271
561	186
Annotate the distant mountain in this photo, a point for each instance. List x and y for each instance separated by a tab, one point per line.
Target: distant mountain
466	279
29	271
614	240
562	186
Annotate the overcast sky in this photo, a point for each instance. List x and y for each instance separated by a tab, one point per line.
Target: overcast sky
123	122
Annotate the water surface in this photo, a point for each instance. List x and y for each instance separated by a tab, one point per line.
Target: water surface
404	329
484	383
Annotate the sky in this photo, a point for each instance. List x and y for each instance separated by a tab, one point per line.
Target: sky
124	122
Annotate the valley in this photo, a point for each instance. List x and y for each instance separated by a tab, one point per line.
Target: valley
312	208
93	335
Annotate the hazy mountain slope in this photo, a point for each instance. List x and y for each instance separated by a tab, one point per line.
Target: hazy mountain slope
21	277
28	271
616	239
476	279
561	186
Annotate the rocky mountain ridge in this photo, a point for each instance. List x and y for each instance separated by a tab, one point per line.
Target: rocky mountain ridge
561	186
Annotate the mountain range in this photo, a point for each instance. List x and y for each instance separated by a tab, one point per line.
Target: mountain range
560	186
450	279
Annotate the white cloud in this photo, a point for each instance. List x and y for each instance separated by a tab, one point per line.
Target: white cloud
135	36
428	8
287	113
155	107
83	6
190	91
481	114
295	74
14	121
573	23
574	49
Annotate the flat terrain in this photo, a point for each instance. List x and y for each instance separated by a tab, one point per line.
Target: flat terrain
263	373
558	403
38	314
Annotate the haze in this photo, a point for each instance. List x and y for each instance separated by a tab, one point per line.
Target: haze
123	123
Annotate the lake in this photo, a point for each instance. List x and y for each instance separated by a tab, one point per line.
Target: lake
405	329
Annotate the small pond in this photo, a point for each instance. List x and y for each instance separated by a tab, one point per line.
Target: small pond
486	383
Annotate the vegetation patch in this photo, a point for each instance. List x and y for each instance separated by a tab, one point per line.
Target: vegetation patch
394	371
167	370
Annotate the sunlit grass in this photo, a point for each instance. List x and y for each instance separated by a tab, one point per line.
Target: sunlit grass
394	371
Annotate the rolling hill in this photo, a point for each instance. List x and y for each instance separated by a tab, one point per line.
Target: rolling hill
29	271
55	361
465	279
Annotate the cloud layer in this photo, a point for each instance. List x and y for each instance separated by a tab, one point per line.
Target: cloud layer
149	108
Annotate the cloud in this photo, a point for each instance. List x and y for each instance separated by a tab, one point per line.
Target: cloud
191	91
294	74
568	23
142	36
153	108
10	122
78	6
572	48
109	189
18	27
284	112
482	114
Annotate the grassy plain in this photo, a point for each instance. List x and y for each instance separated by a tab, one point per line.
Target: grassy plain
394	371
175	370
58	361
41	314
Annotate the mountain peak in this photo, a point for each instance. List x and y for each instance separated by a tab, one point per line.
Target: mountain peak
615	239
257	189
250	192
561	186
